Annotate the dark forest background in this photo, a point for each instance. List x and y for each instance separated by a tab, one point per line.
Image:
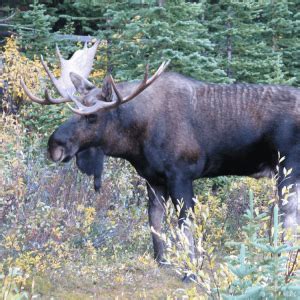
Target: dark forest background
61	240
219	41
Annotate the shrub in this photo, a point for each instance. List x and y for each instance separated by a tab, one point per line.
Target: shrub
264	267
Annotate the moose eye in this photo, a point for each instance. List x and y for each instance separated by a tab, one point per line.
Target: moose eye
91	119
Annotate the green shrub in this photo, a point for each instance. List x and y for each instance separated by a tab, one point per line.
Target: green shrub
262	268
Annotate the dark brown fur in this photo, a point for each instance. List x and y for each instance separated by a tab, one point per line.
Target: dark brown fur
180	129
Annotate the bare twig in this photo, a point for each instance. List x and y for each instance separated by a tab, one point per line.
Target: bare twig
7	19
291	270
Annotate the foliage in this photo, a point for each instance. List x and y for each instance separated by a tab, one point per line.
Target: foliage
261	270
48	221
249	41
17	66
255	39
282	21
54	226
153	33
10	158
35	31
53	223
36	118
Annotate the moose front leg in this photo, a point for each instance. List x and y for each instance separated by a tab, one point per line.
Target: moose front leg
182	194
156	210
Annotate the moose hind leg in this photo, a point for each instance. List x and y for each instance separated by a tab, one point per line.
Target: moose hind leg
290	208
156	210
289	204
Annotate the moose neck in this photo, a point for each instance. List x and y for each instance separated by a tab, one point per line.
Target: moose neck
122	132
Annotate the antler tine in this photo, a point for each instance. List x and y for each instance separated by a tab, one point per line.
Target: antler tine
81	63
100	105
144	84
87	110
48	99
96	44
146	74
61	59
119	96
33	97
53	79
51	76
54	100
160	70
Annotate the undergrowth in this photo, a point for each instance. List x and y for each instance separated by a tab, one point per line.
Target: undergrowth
54	224
55	228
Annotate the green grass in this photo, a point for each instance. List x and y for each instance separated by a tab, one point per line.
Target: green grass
135	277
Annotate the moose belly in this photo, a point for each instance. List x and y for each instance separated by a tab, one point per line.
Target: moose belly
151	175
255	161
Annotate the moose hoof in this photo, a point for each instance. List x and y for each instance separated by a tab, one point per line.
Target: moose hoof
189	278
162	263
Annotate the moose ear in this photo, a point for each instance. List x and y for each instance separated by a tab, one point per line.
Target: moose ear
106	93
90	162
82	85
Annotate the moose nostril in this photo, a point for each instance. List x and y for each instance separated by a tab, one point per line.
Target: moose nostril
56	154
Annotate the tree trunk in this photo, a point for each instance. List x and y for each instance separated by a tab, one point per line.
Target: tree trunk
229	42
161	2
229	50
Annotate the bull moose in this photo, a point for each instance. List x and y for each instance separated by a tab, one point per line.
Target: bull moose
174	129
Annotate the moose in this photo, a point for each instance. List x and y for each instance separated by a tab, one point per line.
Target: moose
174	129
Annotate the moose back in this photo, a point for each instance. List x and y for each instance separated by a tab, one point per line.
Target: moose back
174	129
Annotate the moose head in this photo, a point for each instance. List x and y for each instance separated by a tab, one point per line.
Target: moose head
82	135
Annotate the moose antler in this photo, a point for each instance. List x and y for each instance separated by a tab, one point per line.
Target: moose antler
86	110
144	84
81	63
